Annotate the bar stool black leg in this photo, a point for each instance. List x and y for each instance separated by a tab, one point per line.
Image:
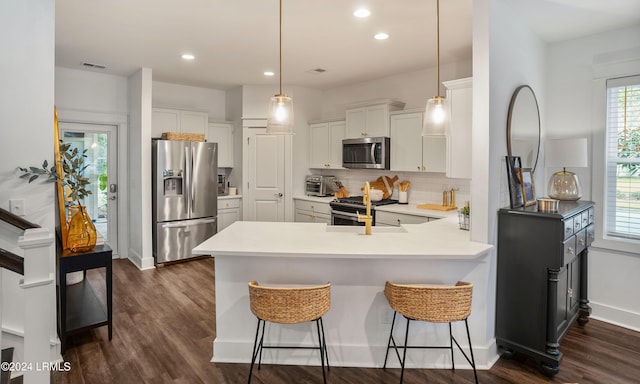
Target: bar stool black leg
453	362
324	343
260	345
255	350
389	343
404	354
473	361
320	347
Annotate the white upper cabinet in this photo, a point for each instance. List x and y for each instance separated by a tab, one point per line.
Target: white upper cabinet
326	144
460	96
370	120
222	133
177	120
410	151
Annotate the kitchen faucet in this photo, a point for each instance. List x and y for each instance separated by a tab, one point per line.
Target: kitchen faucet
366	200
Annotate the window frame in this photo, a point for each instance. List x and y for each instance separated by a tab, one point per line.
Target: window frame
602	73
613	160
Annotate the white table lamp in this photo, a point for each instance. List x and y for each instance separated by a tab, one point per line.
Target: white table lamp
565	153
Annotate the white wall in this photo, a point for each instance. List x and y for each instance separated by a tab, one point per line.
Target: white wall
208	100
502	61
412	88
140	246
98	98
89	91
26	122
575	101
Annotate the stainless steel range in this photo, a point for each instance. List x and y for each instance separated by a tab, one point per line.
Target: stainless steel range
344	211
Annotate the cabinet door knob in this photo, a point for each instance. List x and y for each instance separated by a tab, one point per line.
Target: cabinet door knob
418	167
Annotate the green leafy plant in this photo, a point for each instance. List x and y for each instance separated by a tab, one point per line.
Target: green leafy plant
465	210
72	178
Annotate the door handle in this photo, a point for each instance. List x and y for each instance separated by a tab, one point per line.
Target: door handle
112	198
278	194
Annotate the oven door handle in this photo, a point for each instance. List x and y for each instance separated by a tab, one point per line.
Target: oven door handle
373	153
344	214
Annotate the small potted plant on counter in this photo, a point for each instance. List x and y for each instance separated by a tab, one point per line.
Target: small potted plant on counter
463	217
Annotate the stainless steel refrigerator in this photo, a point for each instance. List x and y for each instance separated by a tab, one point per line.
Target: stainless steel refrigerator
185	197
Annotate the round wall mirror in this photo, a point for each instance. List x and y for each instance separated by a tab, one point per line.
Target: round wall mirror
523	127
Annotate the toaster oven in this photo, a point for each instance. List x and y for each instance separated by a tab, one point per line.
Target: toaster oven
318	185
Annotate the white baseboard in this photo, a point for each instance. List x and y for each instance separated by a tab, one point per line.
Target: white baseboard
617	316
139	261
357	356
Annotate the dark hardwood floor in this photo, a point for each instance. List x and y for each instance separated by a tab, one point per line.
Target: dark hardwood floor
164	326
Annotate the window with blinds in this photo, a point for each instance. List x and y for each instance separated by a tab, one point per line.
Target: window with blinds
622	177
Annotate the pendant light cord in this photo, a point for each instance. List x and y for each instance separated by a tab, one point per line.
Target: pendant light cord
280	47
437	47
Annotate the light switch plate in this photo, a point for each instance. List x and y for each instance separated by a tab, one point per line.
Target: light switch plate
16	206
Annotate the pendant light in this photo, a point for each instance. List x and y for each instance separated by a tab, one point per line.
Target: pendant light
436	116
280	113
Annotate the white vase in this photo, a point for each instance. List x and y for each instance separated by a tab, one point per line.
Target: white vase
74	277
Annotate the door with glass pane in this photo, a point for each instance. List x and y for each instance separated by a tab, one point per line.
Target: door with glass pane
100	143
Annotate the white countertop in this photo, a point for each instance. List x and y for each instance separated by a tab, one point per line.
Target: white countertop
228	197
439	239
407	209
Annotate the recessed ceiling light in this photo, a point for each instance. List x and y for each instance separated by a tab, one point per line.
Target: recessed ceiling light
188	56
362	13
381	36
269	73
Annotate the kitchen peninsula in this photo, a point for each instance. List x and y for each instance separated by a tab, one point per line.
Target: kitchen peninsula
357	325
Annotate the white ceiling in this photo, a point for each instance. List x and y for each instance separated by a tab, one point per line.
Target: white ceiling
235	41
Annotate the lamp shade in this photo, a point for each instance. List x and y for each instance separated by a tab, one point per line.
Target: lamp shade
564	185
566	153
280	115
436	117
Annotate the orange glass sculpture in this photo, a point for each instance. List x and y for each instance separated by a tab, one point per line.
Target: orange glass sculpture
81	236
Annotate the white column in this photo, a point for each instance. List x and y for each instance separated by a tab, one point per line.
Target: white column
38	315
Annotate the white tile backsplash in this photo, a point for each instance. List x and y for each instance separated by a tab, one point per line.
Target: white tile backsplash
425	187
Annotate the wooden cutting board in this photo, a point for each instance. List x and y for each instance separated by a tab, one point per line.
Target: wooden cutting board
437	207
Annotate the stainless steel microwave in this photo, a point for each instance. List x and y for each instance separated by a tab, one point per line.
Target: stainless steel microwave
366	152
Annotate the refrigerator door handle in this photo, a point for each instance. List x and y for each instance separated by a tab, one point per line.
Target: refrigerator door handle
188	176
193	180
188	223
181	224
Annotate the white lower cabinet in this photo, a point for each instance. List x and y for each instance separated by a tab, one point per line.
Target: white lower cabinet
386	219
228	212
312	212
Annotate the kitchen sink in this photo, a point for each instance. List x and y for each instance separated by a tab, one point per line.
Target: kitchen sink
360	229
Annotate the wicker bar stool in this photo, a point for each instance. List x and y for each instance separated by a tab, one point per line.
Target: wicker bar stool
435	304
289	306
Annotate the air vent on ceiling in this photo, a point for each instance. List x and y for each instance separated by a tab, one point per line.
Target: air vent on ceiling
94	65
317	70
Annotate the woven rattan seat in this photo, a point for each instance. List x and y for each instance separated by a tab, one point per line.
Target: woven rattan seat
435	304
289	305
431	303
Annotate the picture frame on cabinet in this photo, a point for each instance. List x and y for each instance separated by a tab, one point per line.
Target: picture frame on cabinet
528	190
514	164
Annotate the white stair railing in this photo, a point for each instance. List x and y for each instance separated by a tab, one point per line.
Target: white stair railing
38	317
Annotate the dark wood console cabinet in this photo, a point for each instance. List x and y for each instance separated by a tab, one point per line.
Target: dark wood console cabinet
79	308
542	278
